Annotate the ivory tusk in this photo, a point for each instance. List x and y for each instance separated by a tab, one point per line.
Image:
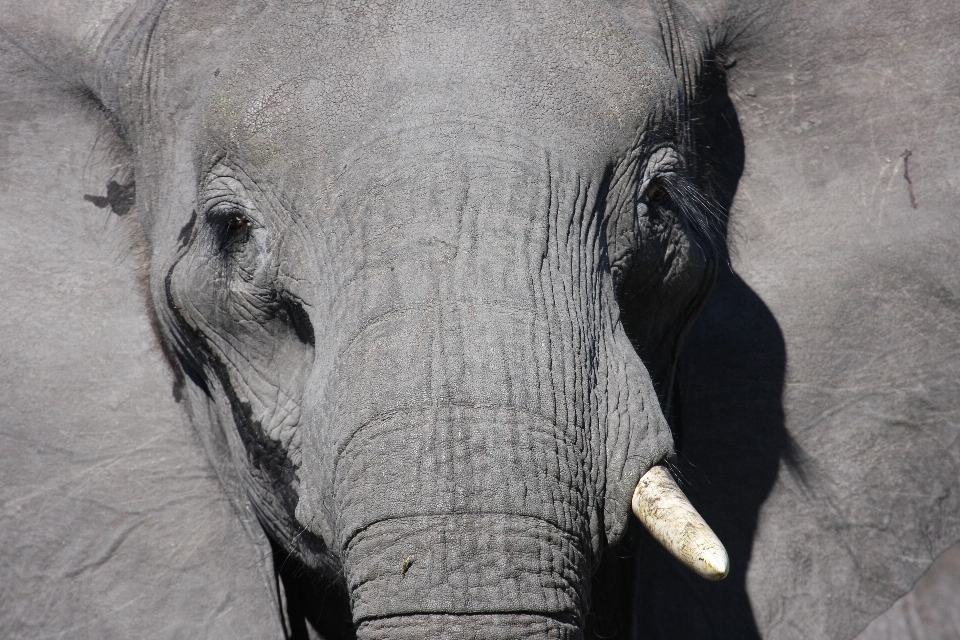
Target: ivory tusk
667	514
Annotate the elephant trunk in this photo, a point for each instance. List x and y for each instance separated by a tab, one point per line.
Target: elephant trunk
465	482
462	511
479	414
474	627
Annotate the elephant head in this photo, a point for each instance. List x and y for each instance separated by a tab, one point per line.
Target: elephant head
427	270
423	273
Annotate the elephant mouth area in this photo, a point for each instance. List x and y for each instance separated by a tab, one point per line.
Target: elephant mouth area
466	565
505	626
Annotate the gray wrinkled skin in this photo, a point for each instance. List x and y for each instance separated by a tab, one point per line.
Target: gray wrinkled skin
929	611
421	274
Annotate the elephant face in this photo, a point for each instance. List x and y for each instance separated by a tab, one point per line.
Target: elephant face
429	284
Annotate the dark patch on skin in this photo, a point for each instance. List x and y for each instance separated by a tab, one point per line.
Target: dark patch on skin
169	355
187	231
120	197
311	599
657	337
196	360
906	176
722	401
189	370
294	315
264	453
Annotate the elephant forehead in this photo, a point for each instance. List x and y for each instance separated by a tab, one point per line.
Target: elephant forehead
335	76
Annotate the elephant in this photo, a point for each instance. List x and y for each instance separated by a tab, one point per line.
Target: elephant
349	320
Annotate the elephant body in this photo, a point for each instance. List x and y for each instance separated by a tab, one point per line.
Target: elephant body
433	286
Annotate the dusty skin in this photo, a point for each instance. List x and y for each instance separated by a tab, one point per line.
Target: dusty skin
340	320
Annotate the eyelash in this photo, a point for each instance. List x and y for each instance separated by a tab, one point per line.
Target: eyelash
656	193
227	224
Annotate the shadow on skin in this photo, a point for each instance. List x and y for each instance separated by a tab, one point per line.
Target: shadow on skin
728	421
310	601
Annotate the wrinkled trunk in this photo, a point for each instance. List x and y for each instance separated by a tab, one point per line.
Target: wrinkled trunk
468	486
473	627
481	418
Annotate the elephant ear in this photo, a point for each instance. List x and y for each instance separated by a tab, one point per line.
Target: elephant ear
818	394
112	523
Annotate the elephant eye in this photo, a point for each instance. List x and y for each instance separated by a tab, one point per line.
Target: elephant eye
656	193
237	222
229	226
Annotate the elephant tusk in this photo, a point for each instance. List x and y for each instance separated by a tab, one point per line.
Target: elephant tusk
667	514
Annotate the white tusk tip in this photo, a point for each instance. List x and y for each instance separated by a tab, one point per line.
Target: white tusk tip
715	564
662	508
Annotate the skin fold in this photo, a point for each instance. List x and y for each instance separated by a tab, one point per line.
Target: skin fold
435	287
